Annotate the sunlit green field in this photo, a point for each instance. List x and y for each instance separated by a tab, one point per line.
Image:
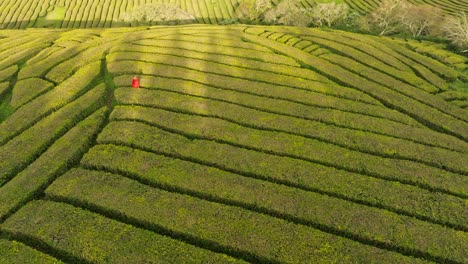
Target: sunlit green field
243	144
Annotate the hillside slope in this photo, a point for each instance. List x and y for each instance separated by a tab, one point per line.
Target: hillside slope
243	144
20	14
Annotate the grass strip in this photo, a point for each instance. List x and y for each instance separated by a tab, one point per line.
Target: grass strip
231	227
93	238
16	252
426	108
66	151
379	145
14	156
63	94
332	215
400	198
283	144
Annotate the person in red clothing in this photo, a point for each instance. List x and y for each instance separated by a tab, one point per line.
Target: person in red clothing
135	82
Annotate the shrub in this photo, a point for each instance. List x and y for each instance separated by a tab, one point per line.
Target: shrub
158	14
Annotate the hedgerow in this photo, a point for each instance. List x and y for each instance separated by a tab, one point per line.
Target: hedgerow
294	102
30	113
239	127
19	55
236	229
427	109
210	48
27	89
461	103
288	171
62	71
244	62
4	87
353	139
186	39
65	151
283	144
7	73
453	95
351	115
215	68
441	69
135	67
213	184
422	70
357	56
14	157
60	58
89	237
16	252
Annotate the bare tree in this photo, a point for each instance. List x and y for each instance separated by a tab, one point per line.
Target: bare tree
329	13
288	12
456	30
387	17
253	10
261	6
159	14
421	19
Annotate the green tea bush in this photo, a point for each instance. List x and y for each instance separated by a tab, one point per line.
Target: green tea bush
92	238
301	174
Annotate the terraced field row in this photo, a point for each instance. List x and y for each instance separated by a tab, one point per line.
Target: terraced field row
109	13
243	144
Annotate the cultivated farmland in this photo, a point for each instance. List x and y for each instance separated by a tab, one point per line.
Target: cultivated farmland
243	144
20	14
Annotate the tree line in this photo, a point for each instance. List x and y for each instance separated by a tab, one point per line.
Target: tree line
390	17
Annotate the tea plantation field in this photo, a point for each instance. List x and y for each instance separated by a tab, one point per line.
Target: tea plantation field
108	13
244	144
